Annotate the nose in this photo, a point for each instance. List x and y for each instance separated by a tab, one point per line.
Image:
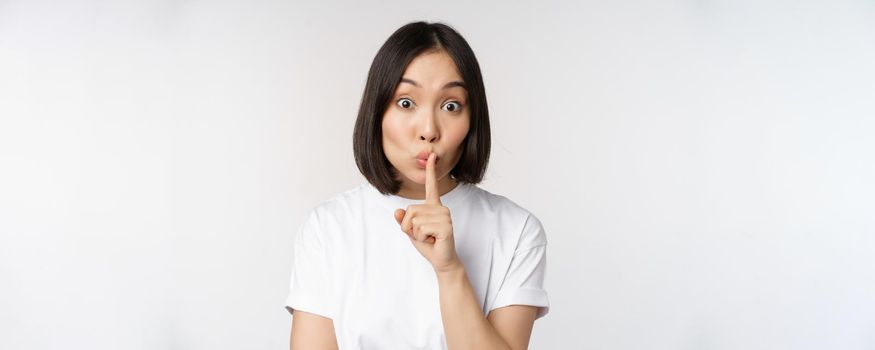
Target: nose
428	130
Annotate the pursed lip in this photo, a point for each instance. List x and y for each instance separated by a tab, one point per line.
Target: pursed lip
424	155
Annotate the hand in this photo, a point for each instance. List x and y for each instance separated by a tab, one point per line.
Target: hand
429	225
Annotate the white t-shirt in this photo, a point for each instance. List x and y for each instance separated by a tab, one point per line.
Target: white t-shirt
354	265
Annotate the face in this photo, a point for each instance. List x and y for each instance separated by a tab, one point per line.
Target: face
428	113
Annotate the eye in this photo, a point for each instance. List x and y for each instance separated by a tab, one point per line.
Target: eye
405	103
452	106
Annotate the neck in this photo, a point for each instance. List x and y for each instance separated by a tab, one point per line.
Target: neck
412	190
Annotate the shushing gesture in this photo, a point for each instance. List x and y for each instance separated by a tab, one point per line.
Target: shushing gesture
429	225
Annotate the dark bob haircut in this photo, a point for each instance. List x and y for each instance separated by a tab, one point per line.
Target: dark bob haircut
386	72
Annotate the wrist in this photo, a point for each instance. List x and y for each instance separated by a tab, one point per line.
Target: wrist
452	268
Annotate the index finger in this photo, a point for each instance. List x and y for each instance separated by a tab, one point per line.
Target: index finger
432	196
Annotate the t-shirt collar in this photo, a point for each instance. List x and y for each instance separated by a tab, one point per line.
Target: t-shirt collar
449	199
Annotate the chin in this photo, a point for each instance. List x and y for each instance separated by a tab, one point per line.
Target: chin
418	178
413	176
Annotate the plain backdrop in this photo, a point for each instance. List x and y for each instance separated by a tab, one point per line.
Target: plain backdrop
705	170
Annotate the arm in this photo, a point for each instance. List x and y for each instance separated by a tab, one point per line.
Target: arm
506	328
311	331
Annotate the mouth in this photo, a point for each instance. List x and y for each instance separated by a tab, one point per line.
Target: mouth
422	162
424	156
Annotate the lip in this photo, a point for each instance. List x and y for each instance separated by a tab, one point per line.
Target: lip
422	159
421	163
424	156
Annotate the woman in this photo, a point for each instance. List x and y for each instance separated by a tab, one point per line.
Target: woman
418	256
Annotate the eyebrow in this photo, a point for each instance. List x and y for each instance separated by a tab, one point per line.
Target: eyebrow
446	86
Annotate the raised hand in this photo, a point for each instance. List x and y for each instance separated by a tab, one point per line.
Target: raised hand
429	225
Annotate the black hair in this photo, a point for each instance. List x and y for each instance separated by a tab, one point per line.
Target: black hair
386	72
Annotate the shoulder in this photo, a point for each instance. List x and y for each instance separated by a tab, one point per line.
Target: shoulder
327	214
337	206
506	210
499	204
323	222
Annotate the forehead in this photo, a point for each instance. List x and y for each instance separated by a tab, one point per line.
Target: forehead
432	69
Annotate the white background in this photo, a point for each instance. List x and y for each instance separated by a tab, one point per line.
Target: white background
705	170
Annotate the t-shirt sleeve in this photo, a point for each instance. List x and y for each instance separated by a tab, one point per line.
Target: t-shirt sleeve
310	288
524	281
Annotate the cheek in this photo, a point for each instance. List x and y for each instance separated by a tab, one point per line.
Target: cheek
459	132
392	135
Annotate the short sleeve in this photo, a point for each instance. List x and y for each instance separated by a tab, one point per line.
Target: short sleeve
310	288
524	281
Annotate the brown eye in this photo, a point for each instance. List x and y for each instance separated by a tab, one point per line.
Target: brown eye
405	103
452	107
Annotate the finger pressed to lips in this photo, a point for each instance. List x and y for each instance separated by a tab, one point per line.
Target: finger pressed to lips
432	196
422	163
424	213
424	155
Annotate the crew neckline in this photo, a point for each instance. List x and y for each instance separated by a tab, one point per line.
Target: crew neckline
449	199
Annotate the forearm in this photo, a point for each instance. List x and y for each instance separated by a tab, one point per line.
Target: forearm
465	326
